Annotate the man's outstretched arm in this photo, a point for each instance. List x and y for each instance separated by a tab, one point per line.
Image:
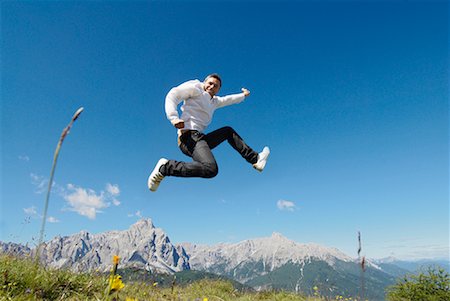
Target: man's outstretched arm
232	98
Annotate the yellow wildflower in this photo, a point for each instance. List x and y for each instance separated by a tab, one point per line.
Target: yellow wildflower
116	259
316	291
115	283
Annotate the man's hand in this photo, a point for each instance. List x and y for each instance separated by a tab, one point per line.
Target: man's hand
246	92
179	125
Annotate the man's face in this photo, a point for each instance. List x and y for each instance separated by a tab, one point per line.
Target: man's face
212	86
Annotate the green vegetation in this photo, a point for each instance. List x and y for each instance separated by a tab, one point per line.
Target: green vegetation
432	285
21	279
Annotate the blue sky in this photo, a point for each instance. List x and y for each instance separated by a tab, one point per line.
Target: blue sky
352	98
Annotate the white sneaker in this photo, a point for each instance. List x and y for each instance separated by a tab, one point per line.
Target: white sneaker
262	159
156	177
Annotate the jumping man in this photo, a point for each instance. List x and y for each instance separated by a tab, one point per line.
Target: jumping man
200	102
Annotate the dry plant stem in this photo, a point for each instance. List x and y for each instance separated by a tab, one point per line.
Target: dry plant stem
52	173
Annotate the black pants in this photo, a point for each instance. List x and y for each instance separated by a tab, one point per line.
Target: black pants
198	146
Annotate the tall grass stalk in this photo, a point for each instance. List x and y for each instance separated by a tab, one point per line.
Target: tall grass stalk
50	182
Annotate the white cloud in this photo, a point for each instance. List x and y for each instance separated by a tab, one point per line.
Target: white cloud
286	205
87	202
52	219
31	211
84	201
24	158
137	214
41	185
39	182
113	190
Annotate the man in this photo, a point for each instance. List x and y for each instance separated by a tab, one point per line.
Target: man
200	102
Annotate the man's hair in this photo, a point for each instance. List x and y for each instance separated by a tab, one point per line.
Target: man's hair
216	76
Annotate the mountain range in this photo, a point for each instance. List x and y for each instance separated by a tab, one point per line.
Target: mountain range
141	246
279	263
273	262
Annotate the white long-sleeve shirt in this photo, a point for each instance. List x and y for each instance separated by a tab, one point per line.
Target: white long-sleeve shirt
198	107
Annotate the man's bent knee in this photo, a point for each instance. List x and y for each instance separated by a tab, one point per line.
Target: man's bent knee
210	170
228	129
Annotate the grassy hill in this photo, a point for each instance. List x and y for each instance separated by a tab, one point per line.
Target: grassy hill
22	279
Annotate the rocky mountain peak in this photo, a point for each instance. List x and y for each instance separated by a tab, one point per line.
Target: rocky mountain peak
144	228
277	235
142	246
279	238
144	224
